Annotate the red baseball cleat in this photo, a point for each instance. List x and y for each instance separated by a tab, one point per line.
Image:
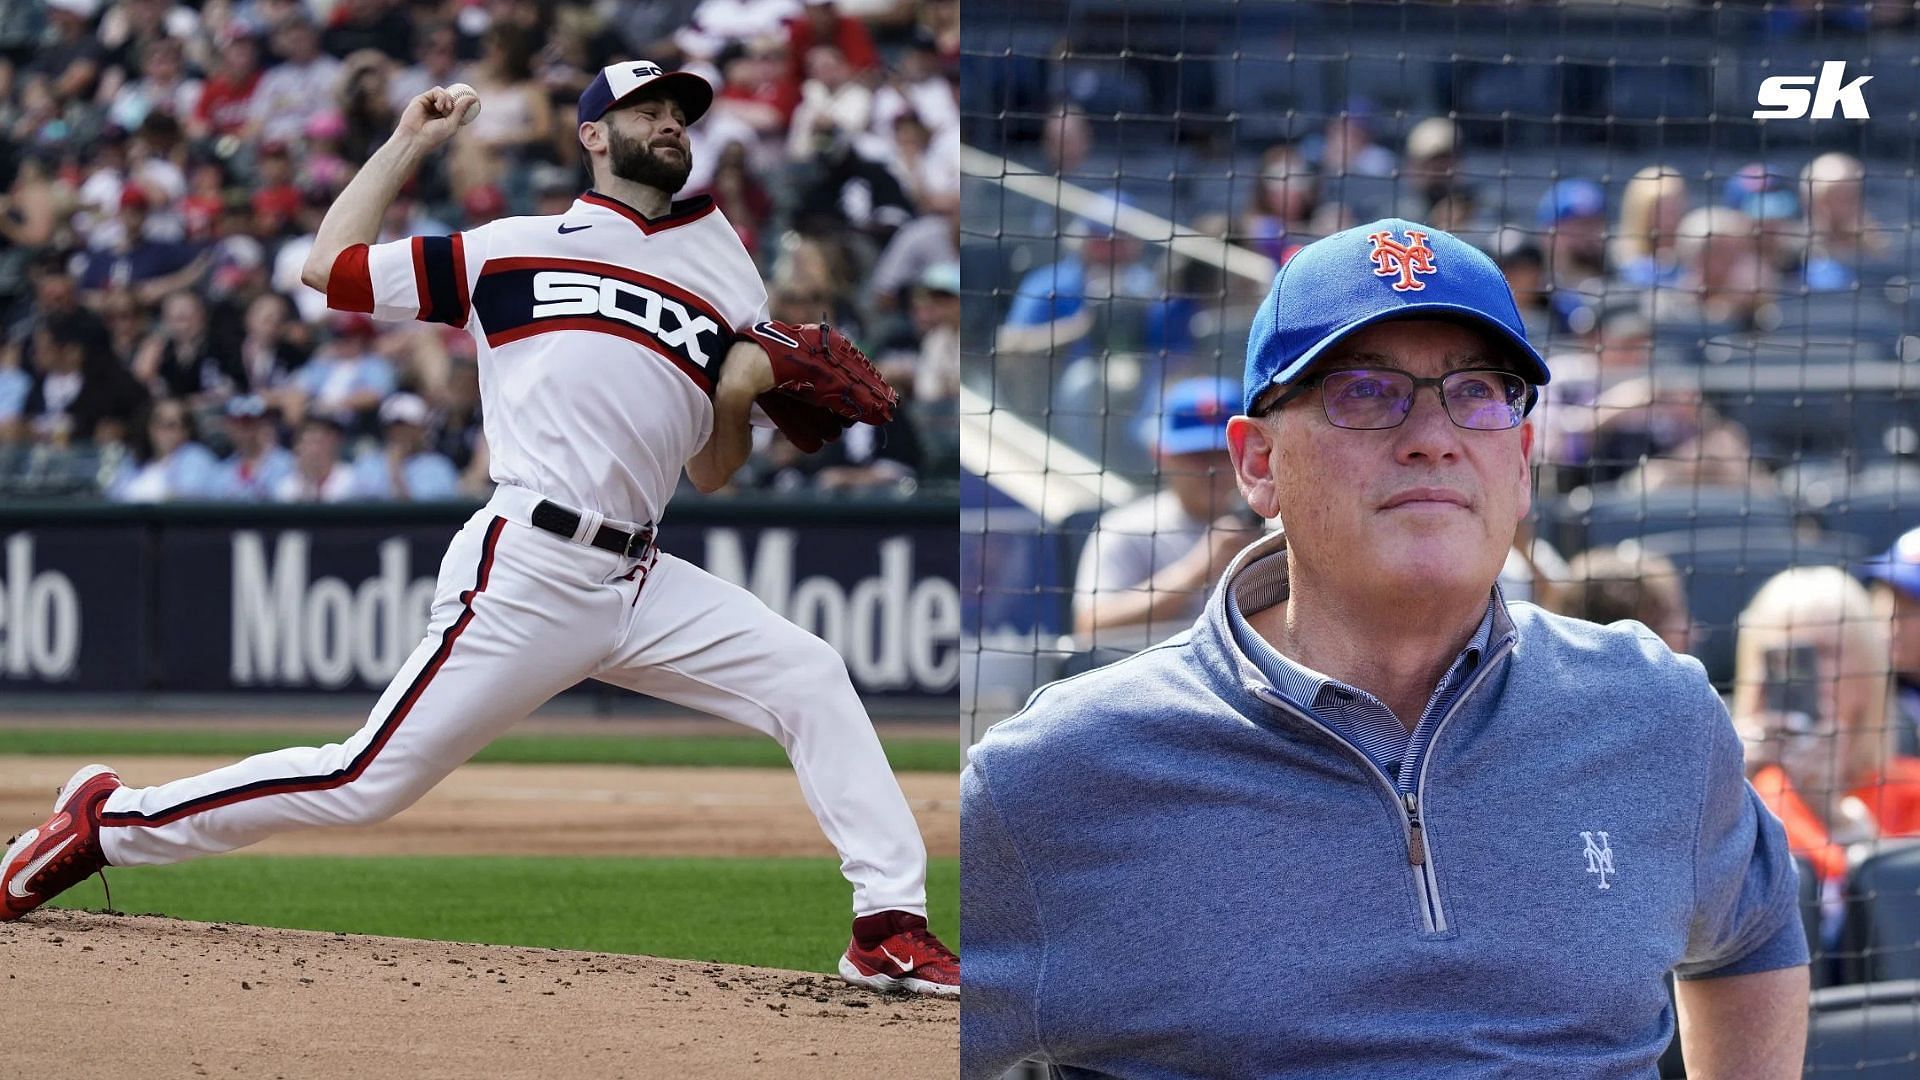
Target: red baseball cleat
894	950
64	851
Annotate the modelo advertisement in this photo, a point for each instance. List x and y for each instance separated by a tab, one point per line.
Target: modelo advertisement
339	607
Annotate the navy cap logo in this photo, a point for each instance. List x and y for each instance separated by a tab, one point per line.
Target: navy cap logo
1392	258
644	71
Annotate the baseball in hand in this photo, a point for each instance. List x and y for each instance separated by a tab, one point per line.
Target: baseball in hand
472	112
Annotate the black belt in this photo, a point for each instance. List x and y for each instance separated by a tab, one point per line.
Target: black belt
555	518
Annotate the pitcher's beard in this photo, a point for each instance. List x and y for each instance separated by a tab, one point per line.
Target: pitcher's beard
639	163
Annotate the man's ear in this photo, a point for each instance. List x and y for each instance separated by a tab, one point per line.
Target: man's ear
591	137
1526	467
1251	443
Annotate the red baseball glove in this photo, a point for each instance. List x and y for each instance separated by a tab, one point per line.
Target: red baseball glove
822	383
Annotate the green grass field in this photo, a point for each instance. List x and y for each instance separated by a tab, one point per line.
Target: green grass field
785	913
939	753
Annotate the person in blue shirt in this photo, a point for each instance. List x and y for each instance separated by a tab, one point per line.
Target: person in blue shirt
1366	818
259	463
177	465
347	377
403	469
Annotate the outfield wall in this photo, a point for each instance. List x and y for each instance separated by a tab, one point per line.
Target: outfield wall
215	598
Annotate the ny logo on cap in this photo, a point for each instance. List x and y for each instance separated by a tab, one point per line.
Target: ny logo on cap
1390	257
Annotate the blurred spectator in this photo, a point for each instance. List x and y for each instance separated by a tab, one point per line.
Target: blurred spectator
1150	564
756	94
819	25
834	107
739	195
346	379
225	105
151	268
259	464
1724	280
920	243
318	474
437	64
1765	194
1050	307
163	86
916	85
927	167
1428	174
369	24
1840	234
936	317
323	171
1894	578
456	430
1524	264
179	359
404	468
1650	211
276	198
1346	147
1573	220
270	352
1608	585
717	23
71	58
1279	213
1810	699
294	89
516	123
206	200
175	466
78	384
29	213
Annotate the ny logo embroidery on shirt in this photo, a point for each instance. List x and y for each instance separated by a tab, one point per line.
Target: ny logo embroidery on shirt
1599	856
1391	257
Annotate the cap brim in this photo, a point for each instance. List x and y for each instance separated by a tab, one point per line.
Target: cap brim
1901	575
694	93
1203	441
1524	352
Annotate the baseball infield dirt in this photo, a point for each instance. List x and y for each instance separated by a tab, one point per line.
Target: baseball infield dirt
486	809
190	999
139	997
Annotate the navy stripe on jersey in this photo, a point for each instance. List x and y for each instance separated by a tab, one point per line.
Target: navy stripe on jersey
354	768
440	302
519	298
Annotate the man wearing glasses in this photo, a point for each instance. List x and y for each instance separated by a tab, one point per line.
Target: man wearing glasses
1366	818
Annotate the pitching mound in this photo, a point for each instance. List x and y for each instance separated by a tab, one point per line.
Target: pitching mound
142	996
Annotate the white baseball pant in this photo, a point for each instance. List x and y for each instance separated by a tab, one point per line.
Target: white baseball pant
520	614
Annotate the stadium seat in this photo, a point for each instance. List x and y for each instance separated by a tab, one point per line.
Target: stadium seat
1527	90
1865	1032
1881	939
1673	93
1876	505
1605	515
1724	567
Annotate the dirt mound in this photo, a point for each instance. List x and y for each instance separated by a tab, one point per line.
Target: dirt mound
142	996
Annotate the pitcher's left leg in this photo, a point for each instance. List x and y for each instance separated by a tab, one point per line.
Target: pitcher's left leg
698	641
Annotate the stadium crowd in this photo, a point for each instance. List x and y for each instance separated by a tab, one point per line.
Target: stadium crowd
165	166
1637	290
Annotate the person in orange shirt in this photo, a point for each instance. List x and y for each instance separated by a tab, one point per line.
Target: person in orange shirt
1812	699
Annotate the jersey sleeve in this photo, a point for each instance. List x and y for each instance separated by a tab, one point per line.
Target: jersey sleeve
420	277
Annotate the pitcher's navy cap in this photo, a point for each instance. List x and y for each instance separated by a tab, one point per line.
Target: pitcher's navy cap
618	82
1388	269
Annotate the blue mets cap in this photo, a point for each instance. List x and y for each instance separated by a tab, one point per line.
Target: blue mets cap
1571	199
1899	566
1194	415
1387	269
618	82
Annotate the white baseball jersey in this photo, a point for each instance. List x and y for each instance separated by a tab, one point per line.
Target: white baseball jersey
600	334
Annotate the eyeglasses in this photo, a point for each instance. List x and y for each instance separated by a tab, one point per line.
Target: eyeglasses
1372	399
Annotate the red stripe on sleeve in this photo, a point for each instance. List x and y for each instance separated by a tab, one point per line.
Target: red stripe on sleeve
350	285
460	276
420	280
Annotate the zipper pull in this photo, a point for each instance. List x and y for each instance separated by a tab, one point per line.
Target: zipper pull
1416	840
